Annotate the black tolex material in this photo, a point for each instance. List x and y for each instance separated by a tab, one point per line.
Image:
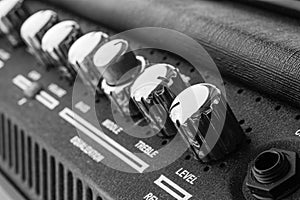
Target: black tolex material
36	154
287	8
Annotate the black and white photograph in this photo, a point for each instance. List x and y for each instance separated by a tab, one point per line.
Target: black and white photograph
149	100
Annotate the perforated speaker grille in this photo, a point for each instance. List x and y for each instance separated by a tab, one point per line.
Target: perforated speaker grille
32	168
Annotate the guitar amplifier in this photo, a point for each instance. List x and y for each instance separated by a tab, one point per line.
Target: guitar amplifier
58	142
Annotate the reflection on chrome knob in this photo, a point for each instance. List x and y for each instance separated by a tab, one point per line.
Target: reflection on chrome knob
81	58
206	122
154	91
33	30
119	67
114	59
57	42
12	14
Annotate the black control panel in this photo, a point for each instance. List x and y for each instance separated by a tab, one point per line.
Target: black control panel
86	115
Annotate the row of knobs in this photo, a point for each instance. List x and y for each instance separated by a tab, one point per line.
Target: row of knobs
156	92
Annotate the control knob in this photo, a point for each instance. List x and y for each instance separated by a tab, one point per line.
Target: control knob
154	91
119	67
81	59
33	30
56	44
12	14
206	122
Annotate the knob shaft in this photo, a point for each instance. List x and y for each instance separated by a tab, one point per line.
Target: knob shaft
57	42
206	122
154	91
81	59
33	30
12	14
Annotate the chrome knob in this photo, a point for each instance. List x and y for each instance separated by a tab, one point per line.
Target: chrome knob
12	14
154	91
206	122
33	30
81	59
56	44
119	67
